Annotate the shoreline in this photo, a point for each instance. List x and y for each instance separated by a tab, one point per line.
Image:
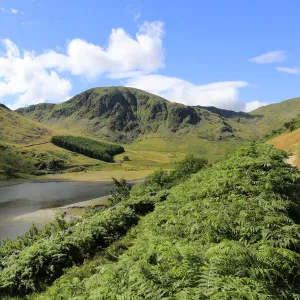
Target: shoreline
43	216
46	180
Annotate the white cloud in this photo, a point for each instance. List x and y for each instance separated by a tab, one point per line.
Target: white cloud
288	70
250	106
220	94
24	77
123	54
35	78
269	57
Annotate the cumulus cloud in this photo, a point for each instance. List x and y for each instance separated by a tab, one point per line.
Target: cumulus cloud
25	77
220	94
270	57
35	78
288	70
250	106
122	56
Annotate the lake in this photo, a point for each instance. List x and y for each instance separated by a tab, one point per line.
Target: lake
24	198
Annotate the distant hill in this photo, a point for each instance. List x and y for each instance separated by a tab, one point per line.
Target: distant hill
16	129
127	114
274	115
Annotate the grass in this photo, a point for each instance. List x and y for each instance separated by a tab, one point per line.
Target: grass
16	129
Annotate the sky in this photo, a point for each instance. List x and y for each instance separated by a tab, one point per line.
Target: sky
231	54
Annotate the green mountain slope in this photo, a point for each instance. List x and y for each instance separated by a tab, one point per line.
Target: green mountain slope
16	129
127	114
275	115
149	126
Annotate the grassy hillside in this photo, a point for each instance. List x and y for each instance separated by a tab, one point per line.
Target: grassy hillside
15	129
231	231
25	149
127	114
275	115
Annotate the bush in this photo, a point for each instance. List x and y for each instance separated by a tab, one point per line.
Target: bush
185	168
10	172
121	191
160	179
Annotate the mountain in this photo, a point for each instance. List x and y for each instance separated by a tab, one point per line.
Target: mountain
128	114
156	132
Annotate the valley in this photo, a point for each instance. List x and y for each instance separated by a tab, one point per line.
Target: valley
154	132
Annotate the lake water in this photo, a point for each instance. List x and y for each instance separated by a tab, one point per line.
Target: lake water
16	200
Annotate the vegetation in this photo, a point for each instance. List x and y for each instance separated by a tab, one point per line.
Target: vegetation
16	129
126	115
288	126
91	148
231	231
120	193
25	149
42	255
157	132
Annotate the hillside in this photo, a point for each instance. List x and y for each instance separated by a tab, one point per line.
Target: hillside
127	115
15	129
231	231
156	132
274	115
149	126
25	149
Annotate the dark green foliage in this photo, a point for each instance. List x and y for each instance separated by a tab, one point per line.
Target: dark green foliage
39	257
160	179
155	182
88	147
44	260
185	168
9	171
230	232
126	158
121	191
292	125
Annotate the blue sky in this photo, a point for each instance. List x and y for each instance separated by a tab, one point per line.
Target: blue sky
230	54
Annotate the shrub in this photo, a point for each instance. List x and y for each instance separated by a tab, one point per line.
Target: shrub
121	191
185	168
